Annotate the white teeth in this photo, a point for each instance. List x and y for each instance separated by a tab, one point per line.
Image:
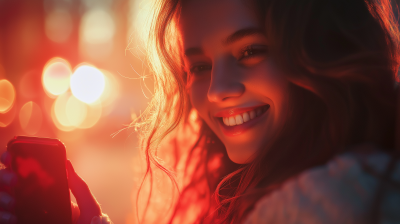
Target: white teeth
252	114
259	112
246	117
239	119
226	121
242	118
232	121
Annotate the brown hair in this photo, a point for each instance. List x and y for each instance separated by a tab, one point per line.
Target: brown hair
341	59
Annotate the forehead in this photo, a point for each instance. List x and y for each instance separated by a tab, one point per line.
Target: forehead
211	20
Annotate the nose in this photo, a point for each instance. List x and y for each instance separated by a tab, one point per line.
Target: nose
225	82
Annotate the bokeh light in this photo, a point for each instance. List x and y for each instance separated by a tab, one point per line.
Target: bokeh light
69	113
7	118
87	83
55	77
97	27
96	34
30	118
58	125
76	111
59	113
42	43
97	3
93	115
58	25
7	95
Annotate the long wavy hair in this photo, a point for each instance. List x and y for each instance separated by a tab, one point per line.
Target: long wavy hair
341	59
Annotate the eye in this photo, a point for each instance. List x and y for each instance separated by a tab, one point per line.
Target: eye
253	51
200	69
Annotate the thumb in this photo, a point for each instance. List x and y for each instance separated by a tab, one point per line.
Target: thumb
88	205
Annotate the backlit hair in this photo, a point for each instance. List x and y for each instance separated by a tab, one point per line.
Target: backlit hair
341	59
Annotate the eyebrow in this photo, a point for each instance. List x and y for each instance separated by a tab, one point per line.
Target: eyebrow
236	36
193	51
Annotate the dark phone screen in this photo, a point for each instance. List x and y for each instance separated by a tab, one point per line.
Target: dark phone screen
42	194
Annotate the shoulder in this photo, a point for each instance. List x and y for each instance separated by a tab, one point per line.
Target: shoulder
339	192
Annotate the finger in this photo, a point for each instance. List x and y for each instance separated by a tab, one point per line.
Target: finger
6	158
75	212
88	205
7	218
8	178
6	201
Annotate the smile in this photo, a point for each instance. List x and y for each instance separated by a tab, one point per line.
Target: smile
236	121
244	117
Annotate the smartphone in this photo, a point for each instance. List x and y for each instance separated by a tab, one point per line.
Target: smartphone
42	193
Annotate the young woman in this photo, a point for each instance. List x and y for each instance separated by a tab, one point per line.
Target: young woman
290	90
296	106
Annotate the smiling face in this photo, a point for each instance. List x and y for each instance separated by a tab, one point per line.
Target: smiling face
233	83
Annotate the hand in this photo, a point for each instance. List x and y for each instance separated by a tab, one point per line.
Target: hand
8	179
88	205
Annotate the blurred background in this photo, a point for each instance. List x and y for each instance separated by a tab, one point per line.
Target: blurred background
73	70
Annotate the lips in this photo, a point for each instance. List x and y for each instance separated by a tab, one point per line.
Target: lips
236	121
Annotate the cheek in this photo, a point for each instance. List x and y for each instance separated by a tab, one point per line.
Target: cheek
198	96
270	82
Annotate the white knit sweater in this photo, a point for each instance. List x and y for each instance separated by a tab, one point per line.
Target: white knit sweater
339	192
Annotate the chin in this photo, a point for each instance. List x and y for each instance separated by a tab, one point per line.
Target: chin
240	155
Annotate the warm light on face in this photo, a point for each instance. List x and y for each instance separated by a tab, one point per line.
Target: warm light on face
97	27
87	83
55	77
30	118
7	95
235	86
